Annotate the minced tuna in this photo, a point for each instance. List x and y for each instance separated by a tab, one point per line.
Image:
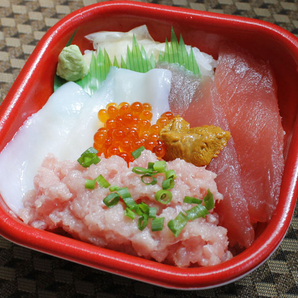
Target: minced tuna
61	200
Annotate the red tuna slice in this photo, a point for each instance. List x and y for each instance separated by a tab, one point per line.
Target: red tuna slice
233	209
247	95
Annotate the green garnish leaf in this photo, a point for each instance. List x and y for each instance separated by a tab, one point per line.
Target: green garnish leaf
208	200
150	166
196	212
130	202
58	82
176	225
152	212
89	157
141	171
176	52
98	71
102	181
152	179
123	64
168	183
115	62
192	200
137	153
124	193
157	224
160	166
170	174
129	213
142	222
144	208
111	200
136	60
163	196
138	210
114	188
71	38
90	184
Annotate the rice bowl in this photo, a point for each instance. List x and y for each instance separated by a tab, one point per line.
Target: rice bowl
200	278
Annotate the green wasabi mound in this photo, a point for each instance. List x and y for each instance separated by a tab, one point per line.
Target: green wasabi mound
71	64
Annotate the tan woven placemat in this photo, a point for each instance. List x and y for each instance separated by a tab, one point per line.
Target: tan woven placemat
26	273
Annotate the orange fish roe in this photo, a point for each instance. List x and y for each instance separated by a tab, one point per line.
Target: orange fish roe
127	128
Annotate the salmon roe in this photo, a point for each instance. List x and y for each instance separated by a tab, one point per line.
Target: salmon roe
127	128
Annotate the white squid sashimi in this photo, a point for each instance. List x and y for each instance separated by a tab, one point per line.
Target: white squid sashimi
65	126
116	43
43	132
121	85
130	86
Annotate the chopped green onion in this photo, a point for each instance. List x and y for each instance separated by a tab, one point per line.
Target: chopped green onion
129	213
143	171
170	174
160	166
138	210
152	182
90	184
123	192
196	212
150	166
168	183
142	222
176	225
114	188
152	212
192	200
208	200
89	157
163	196
157	224
111	200
129	202
144	208
140	171
137	153
102	181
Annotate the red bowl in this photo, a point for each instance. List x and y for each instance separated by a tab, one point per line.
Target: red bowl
201	29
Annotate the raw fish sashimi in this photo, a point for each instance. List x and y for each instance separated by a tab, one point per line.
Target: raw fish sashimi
226	166
61	200
45	131
129	86
244	102
248	96
65	126
183	86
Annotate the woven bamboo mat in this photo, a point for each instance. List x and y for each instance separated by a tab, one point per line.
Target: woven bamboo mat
27	273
